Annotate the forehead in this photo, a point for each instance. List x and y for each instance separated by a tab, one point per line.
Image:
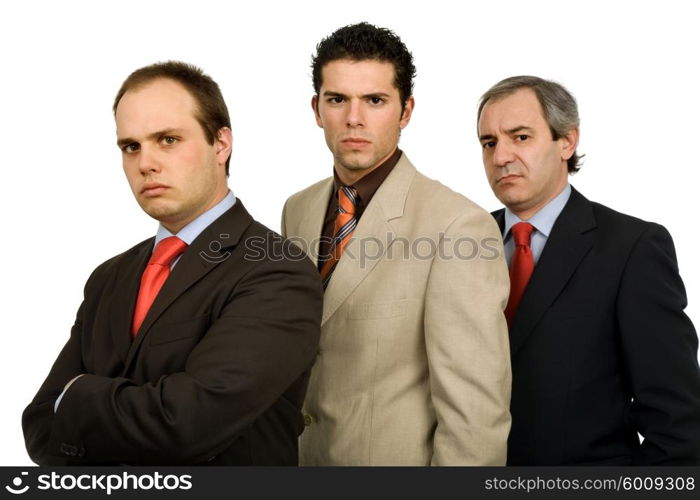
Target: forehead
157	105
521	108
365	76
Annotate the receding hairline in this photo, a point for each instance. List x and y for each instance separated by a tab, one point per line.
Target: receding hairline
140	85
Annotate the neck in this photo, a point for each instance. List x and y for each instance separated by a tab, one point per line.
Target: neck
529	212
350	176
176	226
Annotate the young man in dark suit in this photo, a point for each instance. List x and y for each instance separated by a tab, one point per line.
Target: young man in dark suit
189	348
601	348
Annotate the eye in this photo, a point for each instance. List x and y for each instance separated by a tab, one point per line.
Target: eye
169	140
488	144
336	99
376	100
522	137
131	148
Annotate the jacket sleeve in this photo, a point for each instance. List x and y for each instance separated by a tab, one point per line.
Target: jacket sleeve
37	418
265	338
467	344
660	348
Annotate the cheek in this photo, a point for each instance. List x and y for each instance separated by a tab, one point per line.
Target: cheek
131	172
489	169
388	131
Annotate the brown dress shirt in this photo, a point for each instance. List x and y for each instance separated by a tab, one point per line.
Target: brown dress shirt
366	187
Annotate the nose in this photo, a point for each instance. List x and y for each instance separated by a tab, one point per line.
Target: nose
503	154
147	161
355	117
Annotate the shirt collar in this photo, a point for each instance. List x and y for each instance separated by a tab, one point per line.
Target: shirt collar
190	232
544	219
368	185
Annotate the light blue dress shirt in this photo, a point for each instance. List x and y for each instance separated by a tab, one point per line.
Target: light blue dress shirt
187	234
190	232
542	221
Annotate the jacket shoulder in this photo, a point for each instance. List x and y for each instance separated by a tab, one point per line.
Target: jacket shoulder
308	192
452	205
264	247
114	262
621	224
608	215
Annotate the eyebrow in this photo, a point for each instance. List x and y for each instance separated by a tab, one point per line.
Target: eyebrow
331	93
519	128
510	131
155	135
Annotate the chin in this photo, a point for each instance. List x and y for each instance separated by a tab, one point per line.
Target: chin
509	200
160	213
356	167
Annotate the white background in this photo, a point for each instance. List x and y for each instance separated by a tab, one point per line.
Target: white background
66	206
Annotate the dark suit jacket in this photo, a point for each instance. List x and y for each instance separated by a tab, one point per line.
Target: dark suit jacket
601	348
217	373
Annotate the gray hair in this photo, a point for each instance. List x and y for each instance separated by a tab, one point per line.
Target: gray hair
558	106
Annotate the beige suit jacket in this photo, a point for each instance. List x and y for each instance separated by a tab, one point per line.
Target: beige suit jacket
413	366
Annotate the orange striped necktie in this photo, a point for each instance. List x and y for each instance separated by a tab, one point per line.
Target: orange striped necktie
153	277
345	223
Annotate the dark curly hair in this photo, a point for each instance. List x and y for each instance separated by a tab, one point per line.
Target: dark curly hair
363	41
211	113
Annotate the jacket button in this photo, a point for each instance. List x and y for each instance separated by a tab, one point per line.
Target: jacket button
68	449
308	419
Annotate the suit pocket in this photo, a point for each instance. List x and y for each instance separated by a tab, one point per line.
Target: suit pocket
171	332
378	310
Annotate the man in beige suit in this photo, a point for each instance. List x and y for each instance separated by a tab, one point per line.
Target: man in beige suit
413	367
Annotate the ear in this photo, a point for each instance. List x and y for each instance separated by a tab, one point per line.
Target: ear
569	143
407	111
224	144
314	106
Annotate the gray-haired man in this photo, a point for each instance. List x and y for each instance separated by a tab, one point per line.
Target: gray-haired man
601	348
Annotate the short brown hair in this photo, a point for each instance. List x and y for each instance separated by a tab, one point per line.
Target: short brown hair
558	106
211	113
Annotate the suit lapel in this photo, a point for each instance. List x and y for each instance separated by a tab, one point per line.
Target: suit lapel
124	297
373	233
570	240
211	248
313	215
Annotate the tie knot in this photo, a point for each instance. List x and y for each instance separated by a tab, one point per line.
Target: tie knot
521	233
347	200
167	250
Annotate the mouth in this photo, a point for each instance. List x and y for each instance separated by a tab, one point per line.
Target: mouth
152	189
507	178
355	142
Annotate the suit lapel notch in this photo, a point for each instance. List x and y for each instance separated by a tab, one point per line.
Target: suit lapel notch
571	238
311	226
367	247
372	237
211	248
125	291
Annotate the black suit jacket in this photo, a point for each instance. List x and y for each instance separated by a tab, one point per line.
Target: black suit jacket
601	348
217	373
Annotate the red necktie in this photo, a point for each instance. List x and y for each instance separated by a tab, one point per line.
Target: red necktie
153	277
345	223
521	267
